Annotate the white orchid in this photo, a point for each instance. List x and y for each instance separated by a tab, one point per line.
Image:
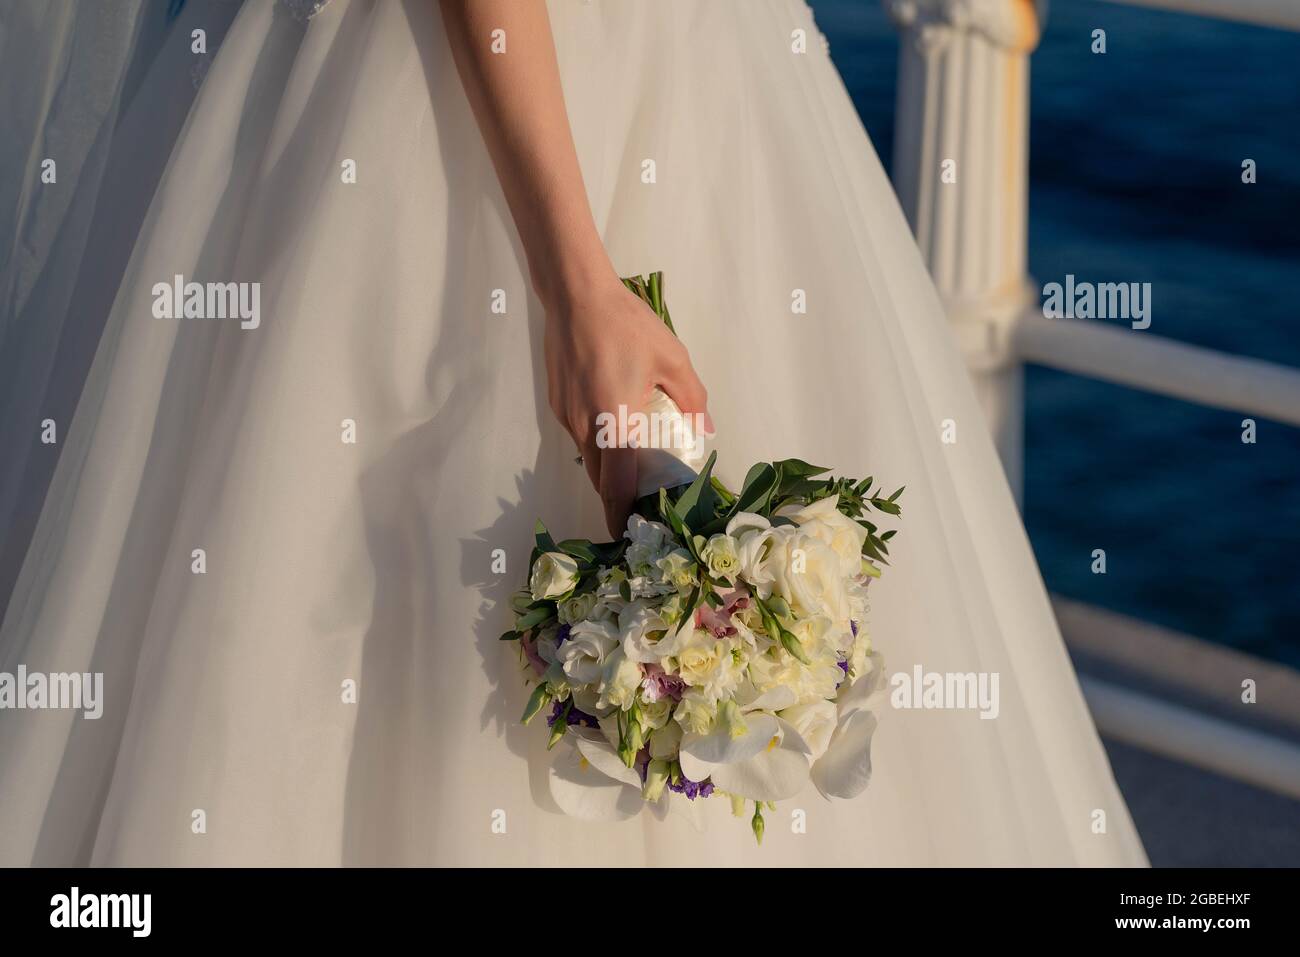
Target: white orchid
844	770
758	755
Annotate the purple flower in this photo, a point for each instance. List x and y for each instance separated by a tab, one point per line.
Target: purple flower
658	684
692	789
562	634
854	626
844	666
575	717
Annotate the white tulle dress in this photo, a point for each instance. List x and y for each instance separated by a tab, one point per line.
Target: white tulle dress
349	467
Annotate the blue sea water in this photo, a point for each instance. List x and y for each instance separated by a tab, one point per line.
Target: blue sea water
1135	175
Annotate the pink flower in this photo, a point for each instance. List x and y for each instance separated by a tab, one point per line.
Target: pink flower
717	621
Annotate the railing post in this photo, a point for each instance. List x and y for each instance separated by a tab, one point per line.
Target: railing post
961	173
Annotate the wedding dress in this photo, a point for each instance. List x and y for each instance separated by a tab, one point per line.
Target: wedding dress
246	523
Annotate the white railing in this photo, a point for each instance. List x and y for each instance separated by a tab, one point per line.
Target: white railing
961	173
1148	362
1207	721
1265	13
1194	738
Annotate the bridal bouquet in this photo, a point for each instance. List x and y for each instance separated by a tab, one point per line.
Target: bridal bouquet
719	647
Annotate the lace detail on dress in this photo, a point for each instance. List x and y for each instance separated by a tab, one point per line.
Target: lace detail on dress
304	10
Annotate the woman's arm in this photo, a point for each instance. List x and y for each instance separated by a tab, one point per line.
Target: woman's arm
603	347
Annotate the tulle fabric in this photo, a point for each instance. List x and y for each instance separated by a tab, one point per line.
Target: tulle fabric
98	89
374	562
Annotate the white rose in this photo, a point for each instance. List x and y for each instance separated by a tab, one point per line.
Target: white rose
641	628
809	575
825	521
753	534
582	656
575	609
721	557
714	666
620	681
678	569
554	575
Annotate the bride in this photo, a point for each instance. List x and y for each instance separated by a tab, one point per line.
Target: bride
279	541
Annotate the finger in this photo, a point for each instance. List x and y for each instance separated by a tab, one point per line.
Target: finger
685	388
617	487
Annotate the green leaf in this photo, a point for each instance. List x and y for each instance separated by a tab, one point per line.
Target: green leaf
757	490
697	504
579	548
536	702
894	497
667	513
609	553
535	616
509	636
544	541
797	468
691	603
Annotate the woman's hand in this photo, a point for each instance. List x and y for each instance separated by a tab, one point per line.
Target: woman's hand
604	349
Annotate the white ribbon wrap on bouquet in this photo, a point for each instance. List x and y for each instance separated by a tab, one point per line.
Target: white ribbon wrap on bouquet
678	450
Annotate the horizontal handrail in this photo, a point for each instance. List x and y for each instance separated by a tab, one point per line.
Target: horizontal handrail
1193	738
1265	13
1143	361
